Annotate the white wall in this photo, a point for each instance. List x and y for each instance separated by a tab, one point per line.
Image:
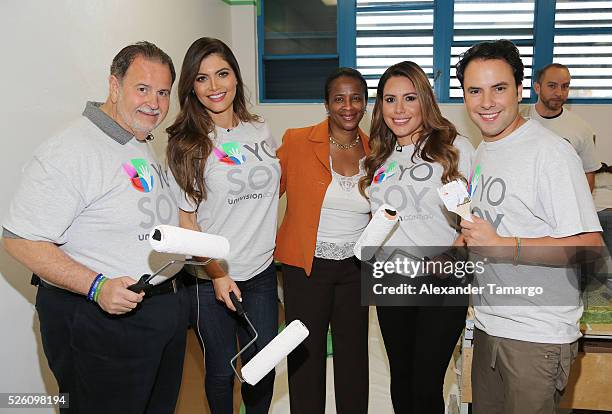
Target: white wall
55	56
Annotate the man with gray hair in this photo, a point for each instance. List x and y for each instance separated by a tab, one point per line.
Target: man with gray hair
552	84
80	221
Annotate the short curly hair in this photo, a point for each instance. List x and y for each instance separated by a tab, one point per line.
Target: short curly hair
349	73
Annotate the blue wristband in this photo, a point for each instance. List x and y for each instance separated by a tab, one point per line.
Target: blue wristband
94	286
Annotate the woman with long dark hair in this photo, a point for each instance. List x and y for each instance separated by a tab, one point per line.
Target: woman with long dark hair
223	158
414	151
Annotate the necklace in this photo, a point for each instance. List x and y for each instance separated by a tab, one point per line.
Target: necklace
344	146
399	147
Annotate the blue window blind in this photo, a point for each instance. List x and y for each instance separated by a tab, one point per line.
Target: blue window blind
583	42
389	32
301	41
476	21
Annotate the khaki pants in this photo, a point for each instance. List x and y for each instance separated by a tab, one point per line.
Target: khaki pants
518	377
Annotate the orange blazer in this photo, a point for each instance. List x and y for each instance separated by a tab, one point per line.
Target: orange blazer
306	174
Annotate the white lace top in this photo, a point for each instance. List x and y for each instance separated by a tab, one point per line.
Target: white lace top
344	215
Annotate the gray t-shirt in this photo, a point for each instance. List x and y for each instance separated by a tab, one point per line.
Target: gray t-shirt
242	180
97	192
411	188
532	185
574	130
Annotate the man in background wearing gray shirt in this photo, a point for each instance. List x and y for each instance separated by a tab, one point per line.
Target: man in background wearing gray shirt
80	221
552	84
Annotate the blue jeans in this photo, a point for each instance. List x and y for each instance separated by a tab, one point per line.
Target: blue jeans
219	328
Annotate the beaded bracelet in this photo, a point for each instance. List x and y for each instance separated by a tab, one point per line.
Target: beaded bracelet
94	286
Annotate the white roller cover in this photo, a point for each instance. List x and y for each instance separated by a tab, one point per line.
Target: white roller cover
274	352
176	240
376	231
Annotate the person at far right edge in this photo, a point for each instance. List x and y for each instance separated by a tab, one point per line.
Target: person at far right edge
531	194
552	84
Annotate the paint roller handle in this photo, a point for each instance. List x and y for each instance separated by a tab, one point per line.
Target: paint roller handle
142	284
237	304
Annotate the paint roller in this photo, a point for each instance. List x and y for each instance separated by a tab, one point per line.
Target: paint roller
376	232
265	360
176	240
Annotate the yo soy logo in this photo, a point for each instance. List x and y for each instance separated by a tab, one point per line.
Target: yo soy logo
140	174
383	174
230	153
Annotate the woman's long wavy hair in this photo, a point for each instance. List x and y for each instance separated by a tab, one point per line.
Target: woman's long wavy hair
189	142
435	140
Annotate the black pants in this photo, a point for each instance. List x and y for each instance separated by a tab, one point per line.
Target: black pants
419	343
131	363
330	295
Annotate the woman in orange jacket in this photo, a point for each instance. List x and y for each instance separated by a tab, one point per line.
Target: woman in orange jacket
321	167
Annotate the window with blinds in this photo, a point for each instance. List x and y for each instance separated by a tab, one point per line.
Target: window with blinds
477	20
301	41
583	42
389	32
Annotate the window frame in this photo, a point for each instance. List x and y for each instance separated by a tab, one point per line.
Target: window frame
346	43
